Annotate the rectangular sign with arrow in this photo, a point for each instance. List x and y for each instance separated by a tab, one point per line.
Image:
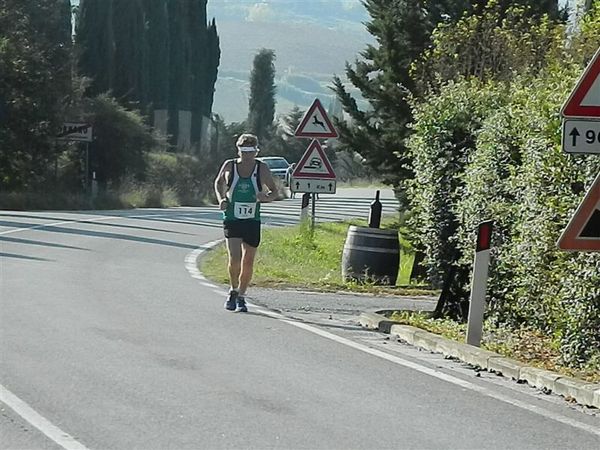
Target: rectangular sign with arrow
315	185
581	136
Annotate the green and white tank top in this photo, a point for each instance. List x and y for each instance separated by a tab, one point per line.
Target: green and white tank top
242	196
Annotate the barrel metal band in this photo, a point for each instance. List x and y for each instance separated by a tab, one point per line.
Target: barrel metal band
376	236
372	249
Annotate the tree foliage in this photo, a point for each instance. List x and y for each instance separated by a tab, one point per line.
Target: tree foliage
485	46
122	141
157	52
131	69
385	73
488	147
35	87
402	32
283	142
261	103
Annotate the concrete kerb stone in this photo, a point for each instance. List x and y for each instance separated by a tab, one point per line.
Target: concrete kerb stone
580	390
505	366
374	321
584	393
371	320
474	355
539	378
596	400
428	341
404	332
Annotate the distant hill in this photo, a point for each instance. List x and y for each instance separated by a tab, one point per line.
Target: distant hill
310	48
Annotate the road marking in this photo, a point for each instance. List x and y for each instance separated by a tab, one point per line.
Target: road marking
66	222
194	272
57	435
437	374
35	227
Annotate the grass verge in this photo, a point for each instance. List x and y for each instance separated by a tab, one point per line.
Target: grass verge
293	257
528	346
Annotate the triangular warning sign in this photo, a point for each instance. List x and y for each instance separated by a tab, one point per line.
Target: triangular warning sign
584	101
315	123
583	230
314	164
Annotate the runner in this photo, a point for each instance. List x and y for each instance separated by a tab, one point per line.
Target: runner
239	189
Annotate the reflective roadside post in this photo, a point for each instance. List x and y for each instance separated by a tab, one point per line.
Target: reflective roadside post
304	207
479	283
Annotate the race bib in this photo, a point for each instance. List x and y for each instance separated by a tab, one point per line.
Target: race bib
244	210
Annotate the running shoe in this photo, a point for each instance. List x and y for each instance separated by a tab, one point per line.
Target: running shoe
241	305
231	300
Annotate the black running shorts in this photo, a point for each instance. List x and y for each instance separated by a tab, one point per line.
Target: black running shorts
246	229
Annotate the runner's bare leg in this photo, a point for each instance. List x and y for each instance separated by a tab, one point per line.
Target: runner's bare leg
234	249
248	254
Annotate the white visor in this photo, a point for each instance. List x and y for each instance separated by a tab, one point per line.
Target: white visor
248	149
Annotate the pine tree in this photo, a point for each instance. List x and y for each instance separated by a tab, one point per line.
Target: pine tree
402	31
261	111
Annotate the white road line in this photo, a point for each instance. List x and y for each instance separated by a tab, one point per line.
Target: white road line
57	435
435	373
193	269
86	220
35	227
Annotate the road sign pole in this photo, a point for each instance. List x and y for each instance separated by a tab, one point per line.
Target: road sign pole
87	166
312	216
479	283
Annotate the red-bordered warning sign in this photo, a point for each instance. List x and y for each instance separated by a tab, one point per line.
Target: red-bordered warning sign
314	164
315	123
583	230
584	100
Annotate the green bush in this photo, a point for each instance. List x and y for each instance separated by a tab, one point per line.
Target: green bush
445	134
492	151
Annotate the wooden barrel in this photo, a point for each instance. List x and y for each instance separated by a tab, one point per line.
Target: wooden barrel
371	255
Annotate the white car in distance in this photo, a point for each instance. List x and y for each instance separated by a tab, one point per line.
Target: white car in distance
277	164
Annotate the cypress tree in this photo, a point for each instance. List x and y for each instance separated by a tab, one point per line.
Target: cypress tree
212	67
157	20
198	67
261	111
131	53
180	76
95	42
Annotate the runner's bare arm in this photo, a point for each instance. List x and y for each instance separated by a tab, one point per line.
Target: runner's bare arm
221	185
267	180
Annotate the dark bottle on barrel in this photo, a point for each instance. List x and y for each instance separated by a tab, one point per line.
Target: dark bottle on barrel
375	212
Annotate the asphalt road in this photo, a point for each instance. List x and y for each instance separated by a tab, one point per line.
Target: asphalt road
108	341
